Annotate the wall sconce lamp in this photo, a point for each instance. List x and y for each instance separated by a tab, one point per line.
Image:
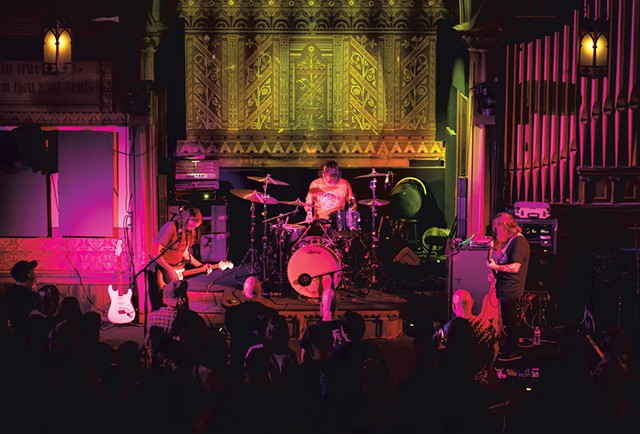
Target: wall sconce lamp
593	52
57	49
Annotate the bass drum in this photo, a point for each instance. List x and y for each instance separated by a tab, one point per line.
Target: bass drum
407	198
311	257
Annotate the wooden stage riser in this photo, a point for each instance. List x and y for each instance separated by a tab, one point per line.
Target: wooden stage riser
379	325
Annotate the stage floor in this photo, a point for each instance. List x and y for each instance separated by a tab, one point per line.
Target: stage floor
212	295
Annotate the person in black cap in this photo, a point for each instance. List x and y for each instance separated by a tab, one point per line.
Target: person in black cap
20	299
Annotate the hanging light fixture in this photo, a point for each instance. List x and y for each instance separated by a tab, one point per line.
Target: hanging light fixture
57	49
593	54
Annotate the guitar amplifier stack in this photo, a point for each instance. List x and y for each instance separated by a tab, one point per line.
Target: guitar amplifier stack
195	179
542	235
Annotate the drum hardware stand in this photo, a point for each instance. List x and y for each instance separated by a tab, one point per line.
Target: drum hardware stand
346	281
251	253
305	279
280	245
372	264
265	239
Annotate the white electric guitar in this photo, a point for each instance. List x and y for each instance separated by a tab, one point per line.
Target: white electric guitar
121	310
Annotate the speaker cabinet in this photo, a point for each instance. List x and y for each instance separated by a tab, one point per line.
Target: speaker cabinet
468	270
212	245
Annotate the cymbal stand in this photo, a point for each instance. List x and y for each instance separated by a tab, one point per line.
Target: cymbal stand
345	245
251	253
280	240
265	239
372	265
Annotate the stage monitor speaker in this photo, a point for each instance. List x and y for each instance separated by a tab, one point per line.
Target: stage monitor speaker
468	270
406	256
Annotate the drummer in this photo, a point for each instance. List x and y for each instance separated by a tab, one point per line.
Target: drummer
328	193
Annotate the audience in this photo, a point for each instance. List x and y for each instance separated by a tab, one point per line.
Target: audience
340	385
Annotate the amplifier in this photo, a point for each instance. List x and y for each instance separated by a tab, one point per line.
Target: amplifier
542	234
196	170
195	175
197	185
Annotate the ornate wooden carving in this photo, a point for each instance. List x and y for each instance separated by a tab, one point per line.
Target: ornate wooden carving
331	76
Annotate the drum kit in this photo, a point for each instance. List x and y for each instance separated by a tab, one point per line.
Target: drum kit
314	254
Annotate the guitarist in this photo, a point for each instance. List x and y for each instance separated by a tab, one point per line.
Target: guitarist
510	267
173	248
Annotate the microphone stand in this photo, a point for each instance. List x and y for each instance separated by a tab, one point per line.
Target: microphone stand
305	279
146	292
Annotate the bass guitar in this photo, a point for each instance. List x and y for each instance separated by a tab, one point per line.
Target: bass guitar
490	304
121	310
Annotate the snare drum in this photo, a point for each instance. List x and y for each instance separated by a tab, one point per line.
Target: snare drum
345	223
287	234
314	258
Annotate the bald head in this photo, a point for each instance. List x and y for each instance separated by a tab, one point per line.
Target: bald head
462	303
252	289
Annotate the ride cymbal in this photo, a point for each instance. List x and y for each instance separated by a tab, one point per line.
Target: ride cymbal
373	174
253	196
267	180
371	202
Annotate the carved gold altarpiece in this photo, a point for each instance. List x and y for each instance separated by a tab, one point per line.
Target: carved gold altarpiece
285	82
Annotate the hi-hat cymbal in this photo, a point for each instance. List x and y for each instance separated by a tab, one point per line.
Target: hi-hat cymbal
297	202
267	180
373	174
371	202
253	196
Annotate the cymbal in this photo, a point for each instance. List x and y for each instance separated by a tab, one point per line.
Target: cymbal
373	174
267	180
297	202
371	202
253	196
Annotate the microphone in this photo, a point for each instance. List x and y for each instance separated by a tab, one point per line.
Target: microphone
386	179
304	279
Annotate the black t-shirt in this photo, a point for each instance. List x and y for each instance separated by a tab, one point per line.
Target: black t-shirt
510	286
246	325
333	326
19	301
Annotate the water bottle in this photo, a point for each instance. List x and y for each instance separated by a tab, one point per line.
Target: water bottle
536	336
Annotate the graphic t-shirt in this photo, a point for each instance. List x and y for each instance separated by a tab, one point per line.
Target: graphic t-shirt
328	198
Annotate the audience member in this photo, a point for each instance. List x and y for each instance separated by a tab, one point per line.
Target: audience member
329	302
485	339
47	303
175	321
317	384
20	298
247	322
65	336
616	384
277	341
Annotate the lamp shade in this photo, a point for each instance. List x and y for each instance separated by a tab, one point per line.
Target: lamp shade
57	49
